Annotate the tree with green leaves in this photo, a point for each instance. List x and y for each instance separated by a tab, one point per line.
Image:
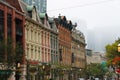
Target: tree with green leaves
112	51
96	70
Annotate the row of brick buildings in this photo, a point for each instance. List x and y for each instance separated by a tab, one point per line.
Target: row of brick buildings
53	47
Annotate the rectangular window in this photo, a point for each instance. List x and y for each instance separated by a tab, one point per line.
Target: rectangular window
19	30
73	58
60	54
2	57
9	25
1	24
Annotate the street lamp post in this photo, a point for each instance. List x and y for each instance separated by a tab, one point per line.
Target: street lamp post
43	68
18	71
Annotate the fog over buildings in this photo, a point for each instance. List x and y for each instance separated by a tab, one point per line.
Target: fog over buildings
99	20
98	38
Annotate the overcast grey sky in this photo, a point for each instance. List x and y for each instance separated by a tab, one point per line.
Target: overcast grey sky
99	20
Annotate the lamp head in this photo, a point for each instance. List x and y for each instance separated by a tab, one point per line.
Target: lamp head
119	47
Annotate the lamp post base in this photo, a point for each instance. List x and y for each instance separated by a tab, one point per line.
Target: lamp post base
23	73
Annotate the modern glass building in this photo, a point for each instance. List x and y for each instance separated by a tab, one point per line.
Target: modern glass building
41	5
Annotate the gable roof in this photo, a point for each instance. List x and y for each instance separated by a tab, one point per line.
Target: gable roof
27	9
30	7
23	7
43	15
15	4
53	25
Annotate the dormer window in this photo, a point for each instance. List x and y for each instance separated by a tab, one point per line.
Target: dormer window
32	12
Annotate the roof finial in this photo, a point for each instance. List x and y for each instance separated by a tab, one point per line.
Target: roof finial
59	14
74	26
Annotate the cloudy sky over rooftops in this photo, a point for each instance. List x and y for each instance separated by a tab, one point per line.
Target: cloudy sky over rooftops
99	20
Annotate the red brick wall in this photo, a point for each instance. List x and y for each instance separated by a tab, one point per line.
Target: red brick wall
7	9
65	42
14	3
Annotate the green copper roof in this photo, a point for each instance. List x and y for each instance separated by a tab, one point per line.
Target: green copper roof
50	20
29	8
42	15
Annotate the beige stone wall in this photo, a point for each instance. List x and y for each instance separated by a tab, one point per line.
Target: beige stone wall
79	53
46	56
78	48
33	41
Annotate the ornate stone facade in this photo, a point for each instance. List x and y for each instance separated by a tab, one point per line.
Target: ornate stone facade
33	41
46	45
64	27
78	51
54	41
64	36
